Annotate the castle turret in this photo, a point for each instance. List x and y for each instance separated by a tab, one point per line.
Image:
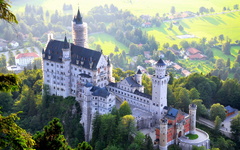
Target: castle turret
43	53
192	115
66	50
86	111
159	89
66	59
79	31
50	37
163	134
138	77
109	65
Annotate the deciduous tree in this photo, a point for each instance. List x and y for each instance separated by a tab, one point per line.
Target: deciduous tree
217	110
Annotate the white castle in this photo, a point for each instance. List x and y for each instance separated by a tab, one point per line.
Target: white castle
71	69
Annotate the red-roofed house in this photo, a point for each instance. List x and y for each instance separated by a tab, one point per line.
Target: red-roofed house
197	56
192	51
25	58
186	73
177	67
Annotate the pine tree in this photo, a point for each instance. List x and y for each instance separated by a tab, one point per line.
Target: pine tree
51	138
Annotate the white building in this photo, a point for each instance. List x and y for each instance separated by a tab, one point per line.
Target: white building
25	58
14	44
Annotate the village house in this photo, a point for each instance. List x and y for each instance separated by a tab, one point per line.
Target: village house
25	58
14	44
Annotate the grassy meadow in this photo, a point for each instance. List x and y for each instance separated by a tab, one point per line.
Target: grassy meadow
150	7
107	43
198	66
205	26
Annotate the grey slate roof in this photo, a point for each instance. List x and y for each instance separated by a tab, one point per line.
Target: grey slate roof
230	109
85	75
88	84
160	62
132	82
172	113
65	44
139	71
142	94
97	91
87	56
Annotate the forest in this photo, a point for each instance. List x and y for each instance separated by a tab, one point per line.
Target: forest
31	102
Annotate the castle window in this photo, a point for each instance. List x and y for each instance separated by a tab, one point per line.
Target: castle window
154	104
95	103
51	64
47	64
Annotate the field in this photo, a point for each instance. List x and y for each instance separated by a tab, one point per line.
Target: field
107	43
205	26
150	7
199	66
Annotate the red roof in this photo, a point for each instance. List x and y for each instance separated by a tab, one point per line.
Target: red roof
197	56
176	66
186	73
193	50
26	55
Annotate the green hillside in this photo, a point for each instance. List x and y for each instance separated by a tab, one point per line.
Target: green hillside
137	7
107	43
205	26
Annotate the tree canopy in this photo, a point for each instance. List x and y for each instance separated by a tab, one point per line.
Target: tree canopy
5	12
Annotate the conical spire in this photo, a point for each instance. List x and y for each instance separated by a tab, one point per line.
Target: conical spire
139	71
65	44
108	61
160	62
79	18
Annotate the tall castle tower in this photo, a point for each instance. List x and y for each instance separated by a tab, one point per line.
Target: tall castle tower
66	58
159	88
79	31
192	115
163	134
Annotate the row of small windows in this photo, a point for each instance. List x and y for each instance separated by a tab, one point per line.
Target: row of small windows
102	79
58	89
135	103
53	65
62	73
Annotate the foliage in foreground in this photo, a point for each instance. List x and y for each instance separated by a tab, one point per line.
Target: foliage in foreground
118	131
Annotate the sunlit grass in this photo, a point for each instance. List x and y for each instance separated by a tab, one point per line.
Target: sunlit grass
208	26
150	7
107	43
199	66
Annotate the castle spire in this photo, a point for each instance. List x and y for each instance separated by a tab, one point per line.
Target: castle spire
79	17
160	62
65	44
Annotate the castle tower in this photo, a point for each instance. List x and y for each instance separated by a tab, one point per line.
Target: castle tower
79	31
138	77
110	78
86	111
163	134
192	115
159	89
66	59
50	37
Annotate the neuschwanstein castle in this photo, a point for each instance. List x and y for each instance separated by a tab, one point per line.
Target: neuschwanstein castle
71	69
